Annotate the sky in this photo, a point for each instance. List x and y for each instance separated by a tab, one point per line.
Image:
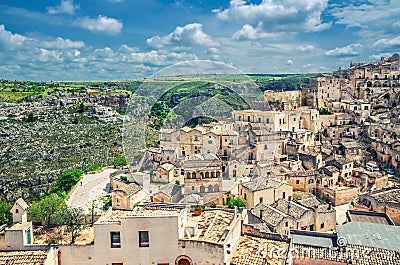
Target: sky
48	40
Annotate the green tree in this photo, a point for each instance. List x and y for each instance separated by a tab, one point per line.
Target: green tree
67	180
119	161
92	207
72	219
5	214
232	202
30	117
47	208
81	108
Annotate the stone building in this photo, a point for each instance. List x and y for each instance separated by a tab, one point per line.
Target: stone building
384	201
164	173
289	100
169	193
203	175
264	190
161	234
19	211
284	215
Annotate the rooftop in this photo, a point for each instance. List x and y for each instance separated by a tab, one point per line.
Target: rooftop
116	216
131	188
392	195
369	217
37	257
256	251
291	208
360	255
170	189
212	225
371	235
263	183
22	203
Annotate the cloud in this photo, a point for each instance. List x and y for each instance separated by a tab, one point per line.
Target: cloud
347	51
65	7
305	48
278	15
289	62
367	14
60	43
101	24
247	32
385	43
10	40
188	35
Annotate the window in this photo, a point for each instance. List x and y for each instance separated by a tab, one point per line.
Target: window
118	202
259	120
115	239
297	181
267	120
322	225
287	224
16	210
177	138
245	196
230	141
209	141
284	195
261	199
248	118
143	238
196	138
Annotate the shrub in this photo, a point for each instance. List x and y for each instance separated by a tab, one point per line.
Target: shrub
232	202
123	177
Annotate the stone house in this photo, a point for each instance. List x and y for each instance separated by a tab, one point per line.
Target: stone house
354	150
169	193
161	235
368	180
19	211
345	166
164	173
339	195
324	214
263	190
203	175
282	216
125	193
383	201
126	196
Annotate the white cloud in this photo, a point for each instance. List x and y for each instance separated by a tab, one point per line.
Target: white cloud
368	14
349	50
101	24
279	14
384	43
60	43
247	32
65	7
9	39
189	35
305	48
289	62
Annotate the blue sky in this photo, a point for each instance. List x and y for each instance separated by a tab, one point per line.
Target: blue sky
126	39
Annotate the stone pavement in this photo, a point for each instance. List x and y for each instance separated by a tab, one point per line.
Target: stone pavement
94	186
